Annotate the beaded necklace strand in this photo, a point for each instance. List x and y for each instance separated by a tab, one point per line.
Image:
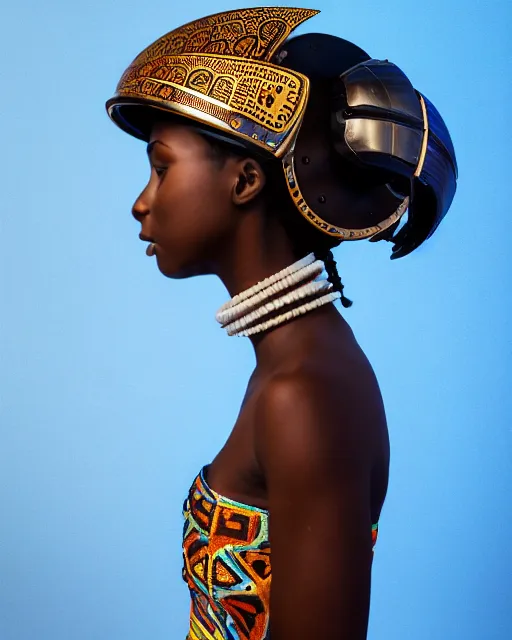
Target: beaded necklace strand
298	288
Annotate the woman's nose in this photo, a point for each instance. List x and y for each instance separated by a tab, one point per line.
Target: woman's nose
141	206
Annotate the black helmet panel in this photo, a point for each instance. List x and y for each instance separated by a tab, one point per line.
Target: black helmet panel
377	118
383	134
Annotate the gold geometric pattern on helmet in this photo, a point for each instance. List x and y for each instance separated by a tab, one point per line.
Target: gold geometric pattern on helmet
254	33
216	70
257	99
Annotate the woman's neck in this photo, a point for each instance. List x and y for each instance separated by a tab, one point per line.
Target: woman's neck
260	248
293	341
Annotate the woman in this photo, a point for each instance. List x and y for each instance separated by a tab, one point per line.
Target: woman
265	153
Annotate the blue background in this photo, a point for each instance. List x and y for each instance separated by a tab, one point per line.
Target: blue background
117	385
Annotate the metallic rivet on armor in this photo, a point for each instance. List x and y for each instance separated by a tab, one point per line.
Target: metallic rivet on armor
255	136
305	160
281	56
322	199
236	123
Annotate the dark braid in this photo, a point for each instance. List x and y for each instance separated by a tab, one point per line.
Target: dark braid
332	274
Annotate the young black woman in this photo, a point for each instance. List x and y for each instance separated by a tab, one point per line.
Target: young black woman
265	153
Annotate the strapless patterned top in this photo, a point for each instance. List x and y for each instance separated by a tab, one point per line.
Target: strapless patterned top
226	553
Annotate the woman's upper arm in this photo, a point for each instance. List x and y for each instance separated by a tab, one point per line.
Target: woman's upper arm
317	467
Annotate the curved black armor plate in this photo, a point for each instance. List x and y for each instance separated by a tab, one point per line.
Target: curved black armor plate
379	125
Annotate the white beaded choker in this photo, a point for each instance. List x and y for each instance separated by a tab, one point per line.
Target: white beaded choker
245	313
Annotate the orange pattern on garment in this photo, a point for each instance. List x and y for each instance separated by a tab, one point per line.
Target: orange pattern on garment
226	554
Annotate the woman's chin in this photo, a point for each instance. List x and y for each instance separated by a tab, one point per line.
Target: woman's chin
176	269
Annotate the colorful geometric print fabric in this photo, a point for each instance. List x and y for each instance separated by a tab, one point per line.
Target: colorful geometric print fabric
226	554
227	566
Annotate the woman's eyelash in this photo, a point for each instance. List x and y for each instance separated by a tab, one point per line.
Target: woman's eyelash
160	171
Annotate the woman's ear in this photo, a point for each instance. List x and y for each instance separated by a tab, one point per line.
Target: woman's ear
249	183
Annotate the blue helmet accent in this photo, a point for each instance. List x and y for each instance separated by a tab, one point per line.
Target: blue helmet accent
433	191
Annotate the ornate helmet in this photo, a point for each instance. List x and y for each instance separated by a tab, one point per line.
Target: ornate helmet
317	103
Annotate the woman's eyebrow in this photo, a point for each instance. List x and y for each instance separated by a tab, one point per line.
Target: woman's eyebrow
151	145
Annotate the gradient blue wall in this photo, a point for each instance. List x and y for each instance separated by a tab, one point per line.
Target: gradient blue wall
116	384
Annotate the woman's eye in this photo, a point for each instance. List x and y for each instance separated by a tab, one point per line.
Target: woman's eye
160	171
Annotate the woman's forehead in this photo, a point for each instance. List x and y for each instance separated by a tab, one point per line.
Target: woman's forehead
165	128
175	133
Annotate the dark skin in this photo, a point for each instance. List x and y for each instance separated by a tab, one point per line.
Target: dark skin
310	443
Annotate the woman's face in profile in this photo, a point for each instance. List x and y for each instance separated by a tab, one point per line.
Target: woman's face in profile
186	207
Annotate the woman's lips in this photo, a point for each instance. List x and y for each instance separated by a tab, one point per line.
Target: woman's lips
150	250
